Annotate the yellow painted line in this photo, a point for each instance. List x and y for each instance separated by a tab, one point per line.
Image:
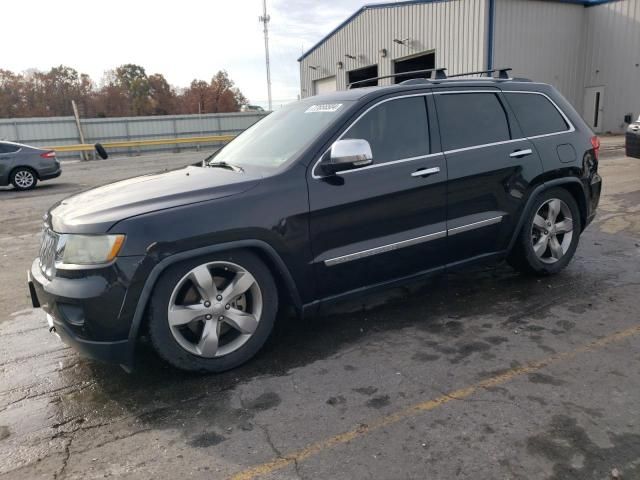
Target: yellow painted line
88	147
414	410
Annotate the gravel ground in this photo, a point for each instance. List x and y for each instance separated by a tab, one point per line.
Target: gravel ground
479	374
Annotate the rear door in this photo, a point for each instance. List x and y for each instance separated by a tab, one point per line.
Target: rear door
489	165
385	221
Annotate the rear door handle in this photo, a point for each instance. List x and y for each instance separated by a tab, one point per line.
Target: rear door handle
425	172
521	153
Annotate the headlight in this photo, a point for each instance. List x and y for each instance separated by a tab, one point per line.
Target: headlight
88	249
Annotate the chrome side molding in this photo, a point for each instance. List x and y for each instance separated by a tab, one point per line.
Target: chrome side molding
384	248
410	242
474	225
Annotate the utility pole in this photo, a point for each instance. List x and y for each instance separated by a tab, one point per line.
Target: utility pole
265	20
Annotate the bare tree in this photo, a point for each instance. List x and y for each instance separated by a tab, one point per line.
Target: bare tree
125	90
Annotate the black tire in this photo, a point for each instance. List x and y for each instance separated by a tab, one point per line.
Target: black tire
21	173
101	151
523	256
168	347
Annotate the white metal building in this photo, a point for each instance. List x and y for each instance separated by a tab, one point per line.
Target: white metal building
588	49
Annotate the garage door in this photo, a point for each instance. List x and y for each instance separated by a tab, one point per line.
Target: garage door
324	85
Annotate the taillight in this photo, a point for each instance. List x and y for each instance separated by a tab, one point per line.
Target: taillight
49	154
595	143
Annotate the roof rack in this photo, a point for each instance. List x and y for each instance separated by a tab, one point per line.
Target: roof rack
440	75
503	73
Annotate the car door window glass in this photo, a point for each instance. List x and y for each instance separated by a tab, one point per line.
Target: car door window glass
470	119
396	129
536	114
7	148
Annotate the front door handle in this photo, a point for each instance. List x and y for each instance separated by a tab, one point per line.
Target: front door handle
521	153
425	172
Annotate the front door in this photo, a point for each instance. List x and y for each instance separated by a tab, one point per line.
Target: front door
594	107
386	220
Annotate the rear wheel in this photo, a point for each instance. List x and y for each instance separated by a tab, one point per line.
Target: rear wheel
550	234
213	315
23	178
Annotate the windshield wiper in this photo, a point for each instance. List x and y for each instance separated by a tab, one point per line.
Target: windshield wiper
226	165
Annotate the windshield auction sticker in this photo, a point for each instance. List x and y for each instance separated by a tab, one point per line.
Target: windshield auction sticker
325	108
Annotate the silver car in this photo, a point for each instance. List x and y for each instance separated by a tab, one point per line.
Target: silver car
23	166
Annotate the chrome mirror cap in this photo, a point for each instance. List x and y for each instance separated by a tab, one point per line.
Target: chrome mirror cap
348	154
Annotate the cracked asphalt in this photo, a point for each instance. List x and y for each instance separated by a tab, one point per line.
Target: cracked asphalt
478	374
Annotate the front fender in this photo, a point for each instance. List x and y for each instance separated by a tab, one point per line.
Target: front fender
275	261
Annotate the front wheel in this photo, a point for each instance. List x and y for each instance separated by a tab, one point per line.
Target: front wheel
549	236
213	315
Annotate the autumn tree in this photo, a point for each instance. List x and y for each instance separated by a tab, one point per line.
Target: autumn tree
11	94
162	95
219	95
133	81
63	84
196	98
123	91
226	97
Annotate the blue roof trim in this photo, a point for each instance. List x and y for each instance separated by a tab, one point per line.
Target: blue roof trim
372	6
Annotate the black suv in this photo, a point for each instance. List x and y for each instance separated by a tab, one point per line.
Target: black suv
328	197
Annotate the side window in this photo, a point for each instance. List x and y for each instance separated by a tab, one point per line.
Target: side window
7	148
536	114
468	119
396	129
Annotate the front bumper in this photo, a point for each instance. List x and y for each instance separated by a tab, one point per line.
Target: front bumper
79	311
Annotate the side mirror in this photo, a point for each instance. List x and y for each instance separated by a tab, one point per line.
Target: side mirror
347	155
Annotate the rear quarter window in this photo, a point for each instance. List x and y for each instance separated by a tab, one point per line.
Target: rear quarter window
8	148
536	114
471	119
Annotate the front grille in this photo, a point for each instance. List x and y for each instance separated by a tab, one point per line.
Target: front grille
48	249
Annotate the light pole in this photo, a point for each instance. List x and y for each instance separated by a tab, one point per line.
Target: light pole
265	20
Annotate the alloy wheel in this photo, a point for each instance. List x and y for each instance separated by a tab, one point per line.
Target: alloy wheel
215	309
24	179
552	231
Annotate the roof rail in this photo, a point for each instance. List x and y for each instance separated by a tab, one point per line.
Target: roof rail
440	75
503	73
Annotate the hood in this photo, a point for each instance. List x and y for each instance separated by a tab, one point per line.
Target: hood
96	210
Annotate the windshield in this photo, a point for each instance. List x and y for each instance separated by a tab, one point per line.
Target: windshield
281	135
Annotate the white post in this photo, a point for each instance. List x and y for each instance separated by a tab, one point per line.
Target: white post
83	154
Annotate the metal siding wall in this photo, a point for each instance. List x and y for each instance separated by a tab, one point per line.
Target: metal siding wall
63	131
455	29
613	59
543	41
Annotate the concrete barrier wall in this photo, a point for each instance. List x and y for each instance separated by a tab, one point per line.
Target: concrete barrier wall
63	130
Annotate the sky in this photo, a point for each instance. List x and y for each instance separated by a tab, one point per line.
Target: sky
183	40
